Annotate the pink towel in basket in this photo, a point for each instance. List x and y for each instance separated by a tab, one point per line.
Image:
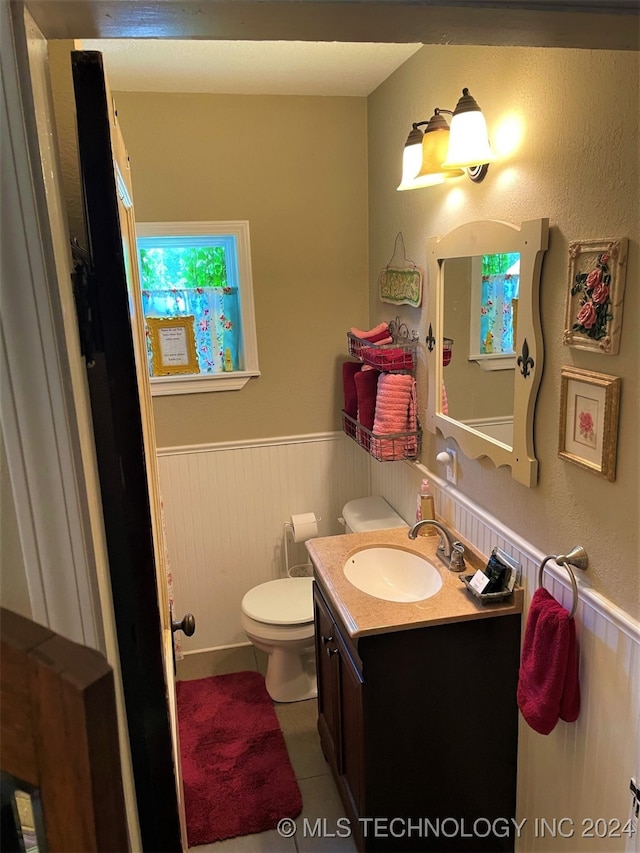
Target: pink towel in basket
395	413
372	335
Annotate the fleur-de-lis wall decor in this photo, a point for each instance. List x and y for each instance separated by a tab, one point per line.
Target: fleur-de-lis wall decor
525	361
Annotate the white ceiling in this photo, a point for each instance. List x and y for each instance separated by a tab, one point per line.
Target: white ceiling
249	67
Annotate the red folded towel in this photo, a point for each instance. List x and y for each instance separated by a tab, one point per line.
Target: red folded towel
393	358
349	370
548	684
366	385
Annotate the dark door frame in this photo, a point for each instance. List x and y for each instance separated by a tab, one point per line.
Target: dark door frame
117	424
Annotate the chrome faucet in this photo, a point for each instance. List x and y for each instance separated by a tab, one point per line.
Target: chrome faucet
449	551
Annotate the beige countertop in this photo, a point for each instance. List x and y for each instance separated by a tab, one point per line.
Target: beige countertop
363	614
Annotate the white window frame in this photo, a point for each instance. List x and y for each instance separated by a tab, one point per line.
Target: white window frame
236	380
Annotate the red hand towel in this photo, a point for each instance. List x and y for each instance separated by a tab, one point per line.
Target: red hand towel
394	358
548	686
349	370
570	702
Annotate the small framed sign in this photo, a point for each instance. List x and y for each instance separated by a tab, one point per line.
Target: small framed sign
400	282
173	345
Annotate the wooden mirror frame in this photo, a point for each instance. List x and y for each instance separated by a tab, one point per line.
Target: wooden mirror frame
487	237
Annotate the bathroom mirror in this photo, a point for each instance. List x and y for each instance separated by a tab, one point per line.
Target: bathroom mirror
484	348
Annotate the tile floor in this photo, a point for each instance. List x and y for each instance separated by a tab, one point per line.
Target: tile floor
320	799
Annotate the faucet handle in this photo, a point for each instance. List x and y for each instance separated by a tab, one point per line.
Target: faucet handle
456	563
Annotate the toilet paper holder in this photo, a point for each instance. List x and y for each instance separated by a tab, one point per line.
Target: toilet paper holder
302	526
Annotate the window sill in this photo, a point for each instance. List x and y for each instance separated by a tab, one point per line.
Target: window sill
161	386
497	361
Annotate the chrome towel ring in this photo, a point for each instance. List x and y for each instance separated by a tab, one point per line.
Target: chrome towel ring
576	558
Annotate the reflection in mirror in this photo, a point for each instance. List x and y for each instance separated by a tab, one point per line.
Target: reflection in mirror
484	296
480	311
22	821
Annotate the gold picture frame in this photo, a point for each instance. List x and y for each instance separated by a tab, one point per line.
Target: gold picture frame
595	295
173	345
589	407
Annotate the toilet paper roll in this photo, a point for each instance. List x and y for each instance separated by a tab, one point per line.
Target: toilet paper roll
305	526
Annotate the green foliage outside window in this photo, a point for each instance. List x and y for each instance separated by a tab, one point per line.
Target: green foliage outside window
498	264
163	269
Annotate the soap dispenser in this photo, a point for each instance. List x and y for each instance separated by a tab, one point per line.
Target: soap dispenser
426	509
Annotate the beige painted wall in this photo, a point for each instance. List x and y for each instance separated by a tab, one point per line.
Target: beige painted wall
577	163
296	169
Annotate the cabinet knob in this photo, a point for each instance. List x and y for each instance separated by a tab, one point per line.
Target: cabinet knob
326	640
331	652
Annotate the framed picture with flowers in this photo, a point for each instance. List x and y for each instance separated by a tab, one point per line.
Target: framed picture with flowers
593	316
589	404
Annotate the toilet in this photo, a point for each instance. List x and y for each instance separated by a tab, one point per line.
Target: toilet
277	616
372	513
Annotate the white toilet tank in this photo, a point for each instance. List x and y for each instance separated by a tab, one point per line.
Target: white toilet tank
372	513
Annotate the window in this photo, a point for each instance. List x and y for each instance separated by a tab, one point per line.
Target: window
494	310
197	303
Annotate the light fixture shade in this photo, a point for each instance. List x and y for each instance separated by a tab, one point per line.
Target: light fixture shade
411	159
435	145
468	140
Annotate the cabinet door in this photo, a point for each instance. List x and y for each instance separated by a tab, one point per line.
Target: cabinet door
350	749
328	686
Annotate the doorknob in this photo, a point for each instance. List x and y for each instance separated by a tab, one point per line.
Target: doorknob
188	624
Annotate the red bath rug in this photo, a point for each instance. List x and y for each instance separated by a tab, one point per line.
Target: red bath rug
236	771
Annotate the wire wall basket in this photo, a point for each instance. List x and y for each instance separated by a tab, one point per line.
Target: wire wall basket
385	447
392	358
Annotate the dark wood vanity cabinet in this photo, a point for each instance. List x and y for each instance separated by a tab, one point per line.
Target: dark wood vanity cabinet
420	729
339	706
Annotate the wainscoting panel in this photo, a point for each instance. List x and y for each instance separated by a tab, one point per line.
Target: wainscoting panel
225	506
581	771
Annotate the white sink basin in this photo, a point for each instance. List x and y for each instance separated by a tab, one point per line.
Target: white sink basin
392	574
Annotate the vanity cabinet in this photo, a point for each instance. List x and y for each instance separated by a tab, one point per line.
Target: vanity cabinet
339	705
420	728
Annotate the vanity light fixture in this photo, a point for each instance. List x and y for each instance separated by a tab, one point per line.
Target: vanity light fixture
435	145
469	141
442	152
412	157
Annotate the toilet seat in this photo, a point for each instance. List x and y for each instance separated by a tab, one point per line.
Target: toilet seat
287	601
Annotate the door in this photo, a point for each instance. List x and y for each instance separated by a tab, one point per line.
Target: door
61	782
126	451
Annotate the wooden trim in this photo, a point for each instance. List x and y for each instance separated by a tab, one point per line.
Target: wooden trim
39	417
311	438
59	733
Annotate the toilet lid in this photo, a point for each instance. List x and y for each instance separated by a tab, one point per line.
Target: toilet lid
288	601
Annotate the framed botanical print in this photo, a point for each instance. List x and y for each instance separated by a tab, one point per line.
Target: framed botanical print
595	292
589	405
